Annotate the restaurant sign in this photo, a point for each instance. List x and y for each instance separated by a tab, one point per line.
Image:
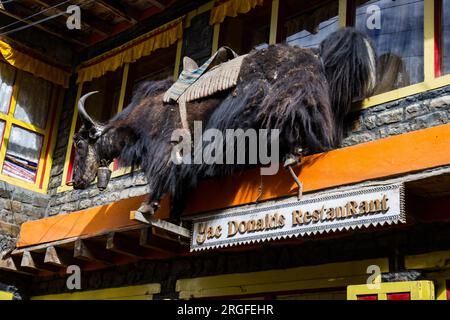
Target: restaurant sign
288	218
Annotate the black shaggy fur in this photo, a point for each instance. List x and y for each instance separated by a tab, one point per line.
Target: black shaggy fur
305	96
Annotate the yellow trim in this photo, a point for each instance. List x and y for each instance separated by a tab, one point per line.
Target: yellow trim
63	186
215	40
441	289
342	13
428	54
433	260
176	69
60	100
310	277
202	9
274	21
123	87
8	122
406	91
419	290
6	295
20	123
34	66
161	37
232	8
142	292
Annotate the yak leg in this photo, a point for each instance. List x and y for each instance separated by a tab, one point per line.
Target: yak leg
148	206
291	160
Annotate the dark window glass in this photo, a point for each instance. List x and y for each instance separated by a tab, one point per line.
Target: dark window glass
396	28
103	105
248	30
306	24
157	66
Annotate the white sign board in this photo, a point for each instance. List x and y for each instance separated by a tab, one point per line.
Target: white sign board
287	218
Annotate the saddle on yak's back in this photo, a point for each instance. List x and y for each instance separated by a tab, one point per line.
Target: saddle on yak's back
220	72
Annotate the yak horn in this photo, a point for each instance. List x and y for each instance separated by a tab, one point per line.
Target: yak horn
82	111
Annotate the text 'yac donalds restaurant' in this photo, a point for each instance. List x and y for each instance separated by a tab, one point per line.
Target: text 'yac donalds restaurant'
358	207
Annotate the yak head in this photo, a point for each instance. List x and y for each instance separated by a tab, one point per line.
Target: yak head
88	157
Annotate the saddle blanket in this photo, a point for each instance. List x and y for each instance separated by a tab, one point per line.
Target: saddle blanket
218	73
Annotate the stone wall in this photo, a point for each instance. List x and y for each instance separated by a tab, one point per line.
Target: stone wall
415	112
18	205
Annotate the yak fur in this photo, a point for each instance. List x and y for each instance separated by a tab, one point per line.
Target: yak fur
306	94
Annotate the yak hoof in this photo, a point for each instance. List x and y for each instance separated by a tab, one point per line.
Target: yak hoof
155	205
146	208
290	160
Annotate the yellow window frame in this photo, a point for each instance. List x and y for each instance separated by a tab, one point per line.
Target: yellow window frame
122	171
437	267
430	82
418	290
141	292
6	295
48	134
332	275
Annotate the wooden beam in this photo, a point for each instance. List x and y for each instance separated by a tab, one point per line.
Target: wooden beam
156	4
35	261
59	257
148	240
162	224
11	263
90	252
115	9
119	243
41	27
86	20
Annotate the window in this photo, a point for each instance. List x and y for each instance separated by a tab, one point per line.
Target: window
397	30
247	31
101	106
445	37
105	104
26	120
306	24
154	67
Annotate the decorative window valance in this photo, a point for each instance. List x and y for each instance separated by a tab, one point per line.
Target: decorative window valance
131	51
231	8
25	62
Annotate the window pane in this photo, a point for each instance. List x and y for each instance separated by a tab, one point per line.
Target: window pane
6	86
2	128
33	100
306	26
103	105
158	66
22	154
248	30
445	45
396	28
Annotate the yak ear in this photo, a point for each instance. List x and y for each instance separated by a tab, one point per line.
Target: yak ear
189	64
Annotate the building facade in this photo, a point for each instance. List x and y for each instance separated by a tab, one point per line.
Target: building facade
400	136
